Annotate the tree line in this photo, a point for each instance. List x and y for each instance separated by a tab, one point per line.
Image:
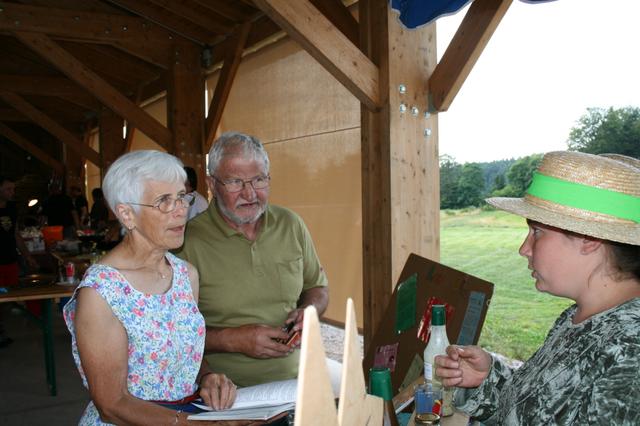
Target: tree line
598	131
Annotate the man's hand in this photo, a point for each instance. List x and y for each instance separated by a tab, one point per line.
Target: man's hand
296	316
259	341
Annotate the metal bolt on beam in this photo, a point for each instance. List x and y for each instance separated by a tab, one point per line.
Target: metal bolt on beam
402	89
403	108
427	132
415	111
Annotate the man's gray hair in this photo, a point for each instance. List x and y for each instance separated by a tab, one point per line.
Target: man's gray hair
236	144
126	179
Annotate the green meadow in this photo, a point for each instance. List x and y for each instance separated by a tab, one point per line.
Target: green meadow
485	244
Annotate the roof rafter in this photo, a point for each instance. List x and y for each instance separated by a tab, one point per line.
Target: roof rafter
23	143
165	18
47	123
88	79
134	35
338	13
232	59
463	51
329	46
196	15
44	85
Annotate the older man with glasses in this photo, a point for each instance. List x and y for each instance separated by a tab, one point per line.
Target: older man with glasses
258	267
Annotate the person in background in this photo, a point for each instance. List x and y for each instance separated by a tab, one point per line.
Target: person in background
137	334
258	267
80	204
10	242
583	213
200	204
99	215
58	210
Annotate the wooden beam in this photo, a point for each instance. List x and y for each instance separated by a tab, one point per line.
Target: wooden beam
465	48
185	106
131	130
261	29
234	12
340	16
232	59
61	110
376	178
164	17
137	36
40	85
11	115
49	86
112	144
332	49
51	126
34	150
196	14
88	79
399	154
113	64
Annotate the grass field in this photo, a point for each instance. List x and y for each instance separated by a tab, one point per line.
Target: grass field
485	244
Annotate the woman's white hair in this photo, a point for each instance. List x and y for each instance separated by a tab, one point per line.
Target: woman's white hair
126	178
236	144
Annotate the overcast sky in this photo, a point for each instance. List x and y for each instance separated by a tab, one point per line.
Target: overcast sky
545	64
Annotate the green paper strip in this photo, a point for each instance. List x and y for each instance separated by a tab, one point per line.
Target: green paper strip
585	197
406	303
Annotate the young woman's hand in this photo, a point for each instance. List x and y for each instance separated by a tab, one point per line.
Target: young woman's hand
463	366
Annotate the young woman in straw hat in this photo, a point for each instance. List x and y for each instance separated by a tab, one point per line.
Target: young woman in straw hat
583	243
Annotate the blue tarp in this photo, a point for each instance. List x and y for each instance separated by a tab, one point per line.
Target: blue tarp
414	13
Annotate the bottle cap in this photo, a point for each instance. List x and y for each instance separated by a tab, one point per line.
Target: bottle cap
437	315
380	383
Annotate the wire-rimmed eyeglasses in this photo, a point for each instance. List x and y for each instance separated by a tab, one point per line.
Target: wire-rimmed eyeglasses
237	185
167	204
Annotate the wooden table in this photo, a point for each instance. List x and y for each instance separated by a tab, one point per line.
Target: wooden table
46	293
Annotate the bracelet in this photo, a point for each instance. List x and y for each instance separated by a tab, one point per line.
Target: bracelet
175	421
202	377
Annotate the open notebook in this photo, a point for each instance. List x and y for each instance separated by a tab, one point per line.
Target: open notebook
259	402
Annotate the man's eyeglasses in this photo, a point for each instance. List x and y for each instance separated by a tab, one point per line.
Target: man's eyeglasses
168	204
237	185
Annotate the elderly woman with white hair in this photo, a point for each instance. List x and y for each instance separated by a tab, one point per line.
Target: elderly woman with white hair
137	333
583	213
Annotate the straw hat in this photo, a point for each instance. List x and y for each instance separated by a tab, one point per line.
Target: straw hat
584	193
623	158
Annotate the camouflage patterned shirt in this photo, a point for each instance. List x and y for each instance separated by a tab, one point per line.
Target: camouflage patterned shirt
584	374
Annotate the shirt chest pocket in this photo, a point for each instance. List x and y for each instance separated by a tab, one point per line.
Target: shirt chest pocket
291	280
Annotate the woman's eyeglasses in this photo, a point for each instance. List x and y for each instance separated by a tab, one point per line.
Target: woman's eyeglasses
168	204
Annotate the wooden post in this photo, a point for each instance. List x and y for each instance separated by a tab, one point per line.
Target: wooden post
112	144
185	106
400	175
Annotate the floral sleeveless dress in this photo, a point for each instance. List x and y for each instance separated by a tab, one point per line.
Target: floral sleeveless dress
165	334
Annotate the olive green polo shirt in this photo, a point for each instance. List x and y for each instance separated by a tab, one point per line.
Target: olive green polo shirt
244	282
